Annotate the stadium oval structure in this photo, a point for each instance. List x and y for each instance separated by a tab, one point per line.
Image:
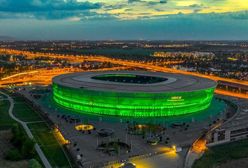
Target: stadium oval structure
133	93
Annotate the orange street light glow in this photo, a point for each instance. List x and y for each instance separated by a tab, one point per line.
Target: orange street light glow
60	137
84	127
136	64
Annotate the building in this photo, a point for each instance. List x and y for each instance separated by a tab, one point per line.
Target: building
133	93
236	128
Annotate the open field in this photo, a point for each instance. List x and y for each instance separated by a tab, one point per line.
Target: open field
5	120
51	148
42	134
24	112
218	155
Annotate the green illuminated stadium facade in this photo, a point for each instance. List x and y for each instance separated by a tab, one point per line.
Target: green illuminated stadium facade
125	101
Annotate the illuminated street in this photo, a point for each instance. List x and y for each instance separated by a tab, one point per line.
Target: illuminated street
149	66
169	159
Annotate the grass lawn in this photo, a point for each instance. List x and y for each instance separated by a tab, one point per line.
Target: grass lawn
5	120
23	111
40	130
223	153
48	143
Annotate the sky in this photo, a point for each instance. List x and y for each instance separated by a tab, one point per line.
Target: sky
124	19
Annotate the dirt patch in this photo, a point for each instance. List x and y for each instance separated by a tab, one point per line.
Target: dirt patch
5	145
18	164
240	163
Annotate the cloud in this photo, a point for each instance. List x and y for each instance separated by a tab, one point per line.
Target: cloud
196	5
45	5
163	1
45	9
133	1
121	9
151	2
243	15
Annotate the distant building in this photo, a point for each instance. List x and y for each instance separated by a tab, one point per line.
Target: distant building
233	87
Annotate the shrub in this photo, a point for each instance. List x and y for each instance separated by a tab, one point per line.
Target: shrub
18	136
24	145
27	149
33	163
13	155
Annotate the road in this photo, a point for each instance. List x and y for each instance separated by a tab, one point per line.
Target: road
136	64
29	133
43	76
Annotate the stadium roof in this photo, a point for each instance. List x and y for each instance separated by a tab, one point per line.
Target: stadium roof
174	82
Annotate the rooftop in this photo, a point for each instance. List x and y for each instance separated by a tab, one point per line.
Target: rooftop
159	81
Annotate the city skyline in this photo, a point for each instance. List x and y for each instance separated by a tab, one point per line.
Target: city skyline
124	20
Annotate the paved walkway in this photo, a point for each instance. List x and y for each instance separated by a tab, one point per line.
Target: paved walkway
191	158
29	133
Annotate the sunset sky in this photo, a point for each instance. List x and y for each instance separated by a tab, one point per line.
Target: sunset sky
124	19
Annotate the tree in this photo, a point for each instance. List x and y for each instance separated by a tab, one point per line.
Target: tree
27	149
13	155
18	136
33	163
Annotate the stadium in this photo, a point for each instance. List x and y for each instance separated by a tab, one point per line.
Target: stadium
133	93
